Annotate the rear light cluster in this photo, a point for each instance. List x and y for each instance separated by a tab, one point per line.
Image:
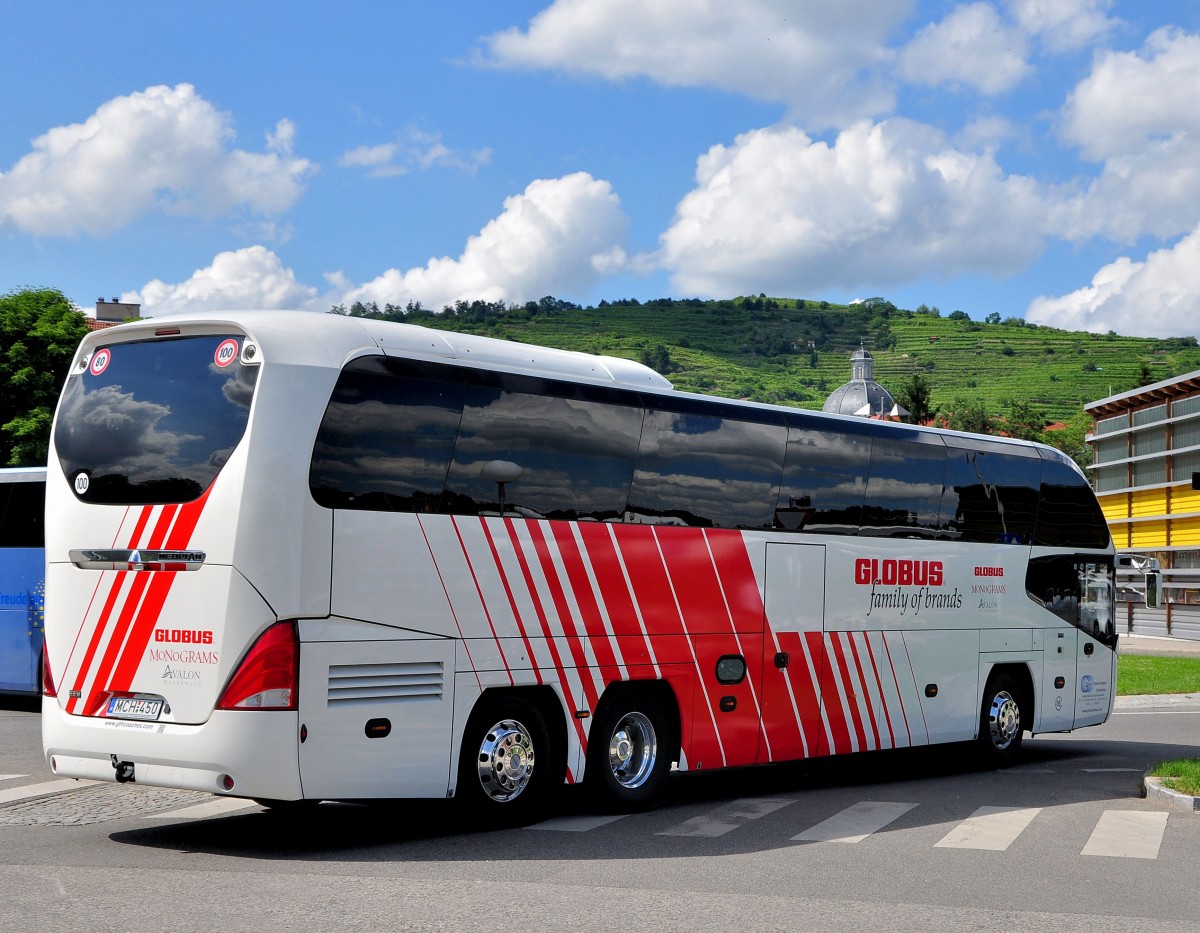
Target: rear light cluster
269	674
48	688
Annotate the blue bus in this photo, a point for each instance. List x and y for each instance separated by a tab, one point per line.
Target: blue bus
22	578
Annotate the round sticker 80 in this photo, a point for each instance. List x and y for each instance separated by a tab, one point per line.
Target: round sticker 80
226	353
100	360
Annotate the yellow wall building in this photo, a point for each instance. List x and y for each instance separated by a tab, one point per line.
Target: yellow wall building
1146	446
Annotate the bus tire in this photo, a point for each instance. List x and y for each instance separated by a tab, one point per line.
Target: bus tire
506	770
1000	721
631	746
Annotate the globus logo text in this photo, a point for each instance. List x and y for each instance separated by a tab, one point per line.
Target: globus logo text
183	636
898	572
989	571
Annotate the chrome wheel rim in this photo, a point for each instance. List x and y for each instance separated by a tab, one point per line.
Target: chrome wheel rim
632	750
1004	719
505	761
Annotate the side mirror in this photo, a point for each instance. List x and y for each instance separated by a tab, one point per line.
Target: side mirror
1153	589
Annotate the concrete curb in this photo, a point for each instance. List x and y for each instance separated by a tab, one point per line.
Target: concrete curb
1155	791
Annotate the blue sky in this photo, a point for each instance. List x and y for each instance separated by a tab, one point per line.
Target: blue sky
1035	158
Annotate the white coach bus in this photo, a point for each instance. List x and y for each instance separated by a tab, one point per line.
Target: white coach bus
295	556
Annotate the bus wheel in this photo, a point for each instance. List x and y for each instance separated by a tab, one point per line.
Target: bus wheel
1000	721
507	763
632	744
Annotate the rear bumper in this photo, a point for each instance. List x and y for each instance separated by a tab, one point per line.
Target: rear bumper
257	749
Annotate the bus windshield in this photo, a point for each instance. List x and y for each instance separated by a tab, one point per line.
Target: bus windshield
153	421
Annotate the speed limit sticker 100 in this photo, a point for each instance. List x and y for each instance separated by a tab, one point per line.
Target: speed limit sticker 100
226	352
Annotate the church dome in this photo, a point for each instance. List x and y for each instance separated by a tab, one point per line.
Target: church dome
862	395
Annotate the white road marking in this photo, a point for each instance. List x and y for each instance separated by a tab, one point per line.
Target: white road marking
218	806
1128	834
990	828
1109	770
10	777
728	818
577	824
29	791
856	823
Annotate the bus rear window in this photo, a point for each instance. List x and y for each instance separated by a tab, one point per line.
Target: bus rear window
153	421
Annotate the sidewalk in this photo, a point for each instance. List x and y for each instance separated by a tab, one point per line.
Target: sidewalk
1162	647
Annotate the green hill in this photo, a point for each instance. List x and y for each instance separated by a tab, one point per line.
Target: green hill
796	351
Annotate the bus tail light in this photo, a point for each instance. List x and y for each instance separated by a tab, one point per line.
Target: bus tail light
48	688
268	676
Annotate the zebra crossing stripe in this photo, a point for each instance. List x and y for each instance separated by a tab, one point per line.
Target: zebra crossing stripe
11	777
29	791
990	828
856	823
577	824
218	806
1128	834
728	818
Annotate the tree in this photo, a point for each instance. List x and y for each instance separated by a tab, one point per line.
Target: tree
972	416
993	318
915	396
1025	420
39	332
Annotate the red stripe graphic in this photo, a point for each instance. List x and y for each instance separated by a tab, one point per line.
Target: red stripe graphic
864	691
882	695
543	622
458	625
74	698
603	649
482	602
838	695
185	520
655	594
896	681
616	595
512	603
565	614
745	614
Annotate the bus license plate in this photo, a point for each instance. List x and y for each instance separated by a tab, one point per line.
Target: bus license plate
135	707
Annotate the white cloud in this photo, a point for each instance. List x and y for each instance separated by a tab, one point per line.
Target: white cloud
1064	25
1139	114
253	277
417	150
164	149
887	203
555	238
1133	99
971	47
820	59
1159	297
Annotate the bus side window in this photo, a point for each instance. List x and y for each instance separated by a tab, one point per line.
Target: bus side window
543	449
904	488
991	496
701	469
22	514
1068	515
385	442
824	481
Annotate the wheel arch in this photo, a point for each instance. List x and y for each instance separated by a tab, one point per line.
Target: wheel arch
542	697
660	690
1023	679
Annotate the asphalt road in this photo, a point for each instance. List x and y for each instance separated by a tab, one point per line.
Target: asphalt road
1064	841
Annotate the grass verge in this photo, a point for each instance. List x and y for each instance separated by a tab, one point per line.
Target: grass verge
1180	774
1141	674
